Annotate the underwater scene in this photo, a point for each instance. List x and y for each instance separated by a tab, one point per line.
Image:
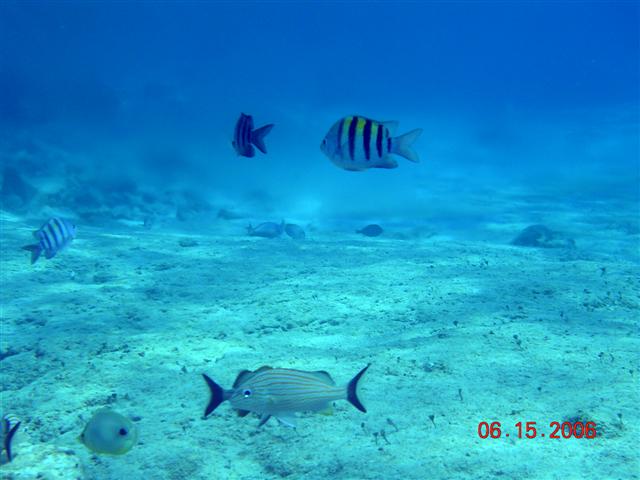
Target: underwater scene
319	239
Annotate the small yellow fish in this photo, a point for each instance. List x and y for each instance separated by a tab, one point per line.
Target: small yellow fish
109	432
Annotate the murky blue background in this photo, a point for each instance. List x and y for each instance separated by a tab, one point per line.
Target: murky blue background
538	97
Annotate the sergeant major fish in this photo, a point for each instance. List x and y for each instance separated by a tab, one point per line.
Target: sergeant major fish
357	143
244	136
280	392
10	426
53	237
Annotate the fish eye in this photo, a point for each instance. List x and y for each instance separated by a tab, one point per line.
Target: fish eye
246	393
123	431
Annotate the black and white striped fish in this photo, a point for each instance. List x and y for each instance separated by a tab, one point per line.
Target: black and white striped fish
357	143
245	137
281	392
53	236
10	425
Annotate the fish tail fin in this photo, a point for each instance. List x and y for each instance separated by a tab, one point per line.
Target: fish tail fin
352	390
403	145
257	137
218	395
35	250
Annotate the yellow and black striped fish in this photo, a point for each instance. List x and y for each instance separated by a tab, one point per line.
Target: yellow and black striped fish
357	143
281	392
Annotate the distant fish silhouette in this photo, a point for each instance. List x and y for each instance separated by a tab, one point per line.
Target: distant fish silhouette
357	143
294	231
372	230
245	137
266	230
53	237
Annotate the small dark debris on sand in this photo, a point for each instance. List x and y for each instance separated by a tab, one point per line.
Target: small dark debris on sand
372	230
188	242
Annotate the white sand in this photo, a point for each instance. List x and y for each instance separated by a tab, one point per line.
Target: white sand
130	320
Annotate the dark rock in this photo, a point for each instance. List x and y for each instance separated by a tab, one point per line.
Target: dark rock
540	236
372	230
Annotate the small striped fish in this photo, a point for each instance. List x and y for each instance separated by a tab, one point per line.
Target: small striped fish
53	236
10	425
245	137
280	392
358	143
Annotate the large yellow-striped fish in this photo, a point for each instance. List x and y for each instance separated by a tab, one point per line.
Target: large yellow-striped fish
281	392
357	143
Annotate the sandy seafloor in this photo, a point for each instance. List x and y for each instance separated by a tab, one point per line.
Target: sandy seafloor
461	330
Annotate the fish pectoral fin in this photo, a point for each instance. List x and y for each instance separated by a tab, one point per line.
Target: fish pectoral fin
264	419
287	418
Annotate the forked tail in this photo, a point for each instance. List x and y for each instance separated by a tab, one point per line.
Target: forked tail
352	390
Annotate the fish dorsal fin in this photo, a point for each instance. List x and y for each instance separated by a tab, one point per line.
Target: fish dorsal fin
391	125
264	368
245	375
242	376
323	377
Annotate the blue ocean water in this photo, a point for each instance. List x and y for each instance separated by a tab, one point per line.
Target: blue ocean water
119	116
